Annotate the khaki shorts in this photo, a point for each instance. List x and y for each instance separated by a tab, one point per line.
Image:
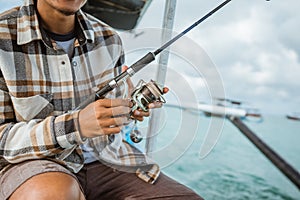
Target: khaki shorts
17	174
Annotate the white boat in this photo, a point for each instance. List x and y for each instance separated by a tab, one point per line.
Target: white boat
294	116
223	108
210	109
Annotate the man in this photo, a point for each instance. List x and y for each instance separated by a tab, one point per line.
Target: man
52	57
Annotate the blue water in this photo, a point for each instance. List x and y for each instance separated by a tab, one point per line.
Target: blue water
234	169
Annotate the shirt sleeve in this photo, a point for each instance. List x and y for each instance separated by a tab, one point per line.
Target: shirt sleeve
36	138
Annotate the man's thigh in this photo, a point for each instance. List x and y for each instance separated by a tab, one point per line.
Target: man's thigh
102	182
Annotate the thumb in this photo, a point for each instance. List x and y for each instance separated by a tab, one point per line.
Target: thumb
128	81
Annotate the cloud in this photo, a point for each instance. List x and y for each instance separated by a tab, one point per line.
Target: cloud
256	49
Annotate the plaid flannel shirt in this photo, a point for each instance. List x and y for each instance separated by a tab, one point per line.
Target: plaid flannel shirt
40	87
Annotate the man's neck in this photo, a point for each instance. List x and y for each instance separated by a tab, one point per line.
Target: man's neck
55	21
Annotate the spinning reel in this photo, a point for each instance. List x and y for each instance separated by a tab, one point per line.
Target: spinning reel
141	97
146	93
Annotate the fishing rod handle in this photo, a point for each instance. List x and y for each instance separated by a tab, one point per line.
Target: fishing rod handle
138	65
135	67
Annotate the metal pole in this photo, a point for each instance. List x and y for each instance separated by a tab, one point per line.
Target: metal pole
292	174
168	23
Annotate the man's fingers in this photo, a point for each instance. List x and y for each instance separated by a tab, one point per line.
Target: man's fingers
112	112
141	113
108	103
139	118
155	105
118	121
112	130
130	86
121	110
165	90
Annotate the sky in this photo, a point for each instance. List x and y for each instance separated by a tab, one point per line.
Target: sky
253	47
253	44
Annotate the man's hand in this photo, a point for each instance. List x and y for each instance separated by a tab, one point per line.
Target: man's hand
104	117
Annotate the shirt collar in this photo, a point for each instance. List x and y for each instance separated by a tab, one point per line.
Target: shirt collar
28	28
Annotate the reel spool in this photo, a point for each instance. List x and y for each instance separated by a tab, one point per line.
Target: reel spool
146	93
141	97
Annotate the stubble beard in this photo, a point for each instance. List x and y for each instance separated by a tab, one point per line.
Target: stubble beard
67	12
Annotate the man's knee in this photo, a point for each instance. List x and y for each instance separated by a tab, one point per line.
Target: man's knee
51	185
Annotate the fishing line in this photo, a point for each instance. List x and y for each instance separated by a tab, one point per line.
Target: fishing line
141	63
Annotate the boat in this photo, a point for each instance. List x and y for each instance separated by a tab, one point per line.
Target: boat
294	116
221	108
119	14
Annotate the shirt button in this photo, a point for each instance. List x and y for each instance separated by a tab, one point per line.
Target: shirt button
74	63
63	62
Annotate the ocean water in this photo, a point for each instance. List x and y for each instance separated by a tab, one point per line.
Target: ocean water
234	169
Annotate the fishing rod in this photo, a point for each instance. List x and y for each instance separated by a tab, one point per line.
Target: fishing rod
141	63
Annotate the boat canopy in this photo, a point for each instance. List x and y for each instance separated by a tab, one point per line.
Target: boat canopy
120	14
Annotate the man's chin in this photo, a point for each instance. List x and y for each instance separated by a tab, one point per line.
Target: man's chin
67	12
